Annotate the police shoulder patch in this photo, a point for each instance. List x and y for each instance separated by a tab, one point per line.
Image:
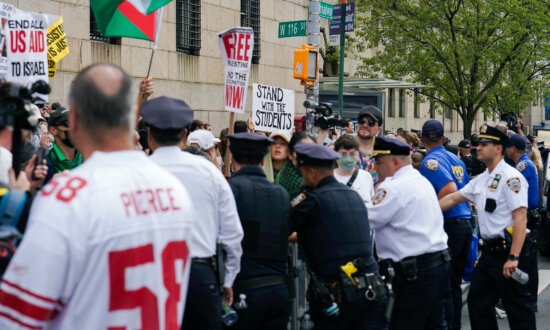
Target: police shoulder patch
514	184
298	199
431	164
521	166
379	196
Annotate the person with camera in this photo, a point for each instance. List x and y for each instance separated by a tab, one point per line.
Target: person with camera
447	174
166	119
409	237
334	238
516	152
263	209
501	197
106	246
369	124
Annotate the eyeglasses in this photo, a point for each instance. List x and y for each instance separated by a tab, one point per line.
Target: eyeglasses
370	122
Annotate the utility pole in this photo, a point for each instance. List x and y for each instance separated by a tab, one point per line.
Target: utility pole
342	54
313	36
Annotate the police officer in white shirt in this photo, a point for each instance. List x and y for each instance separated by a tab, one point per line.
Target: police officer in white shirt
500	194
217	217
409	237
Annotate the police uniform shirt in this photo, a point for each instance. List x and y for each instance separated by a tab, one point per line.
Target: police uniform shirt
405	216
217	217
529	171
441	167
505	189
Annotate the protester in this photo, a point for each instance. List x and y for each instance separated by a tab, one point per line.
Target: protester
64	155
409	138
369	123
289	177
207	143
278	151
417	157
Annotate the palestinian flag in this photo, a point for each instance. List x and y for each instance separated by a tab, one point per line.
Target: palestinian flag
129	18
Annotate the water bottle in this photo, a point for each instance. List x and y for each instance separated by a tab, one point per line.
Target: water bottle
307	323
242	302
229	316
520	276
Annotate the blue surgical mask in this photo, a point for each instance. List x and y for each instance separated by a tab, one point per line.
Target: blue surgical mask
347	163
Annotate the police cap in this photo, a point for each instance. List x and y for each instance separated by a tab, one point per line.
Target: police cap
389	146
314	155
490	134
249	143
165	113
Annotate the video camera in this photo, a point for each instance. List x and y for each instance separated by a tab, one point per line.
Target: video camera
511	120
324	118
15	101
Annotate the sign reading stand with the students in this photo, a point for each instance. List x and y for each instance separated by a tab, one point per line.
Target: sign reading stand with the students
272	108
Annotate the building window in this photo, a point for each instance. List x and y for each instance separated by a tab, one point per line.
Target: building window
402	103
391	110
432	110
95	32
416	104
188	26
250	16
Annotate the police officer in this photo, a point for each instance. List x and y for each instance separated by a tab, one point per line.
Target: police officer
409	237
500	194
217	221
263	209
333	230
448	174
516	151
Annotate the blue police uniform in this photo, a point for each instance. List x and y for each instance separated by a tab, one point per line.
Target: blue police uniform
333	229
263	209
527	168
441	167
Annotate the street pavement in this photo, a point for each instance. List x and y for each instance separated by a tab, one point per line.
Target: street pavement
543	315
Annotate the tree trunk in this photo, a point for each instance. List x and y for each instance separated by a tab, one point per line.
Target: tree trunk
468	121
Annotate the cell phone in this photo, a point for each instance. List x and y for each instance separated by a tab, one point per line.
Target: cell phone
40	153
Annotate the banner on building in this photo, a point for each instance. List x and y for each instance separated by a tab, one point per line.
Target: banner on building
236	46
272	108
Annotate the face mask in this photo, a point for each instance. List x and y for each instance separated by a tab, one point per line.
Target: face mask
347	163
67	140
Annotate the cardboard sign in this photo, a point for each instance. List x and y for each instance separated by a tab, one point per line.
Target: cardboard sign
6	11
236	46
27	48
57	44
272	108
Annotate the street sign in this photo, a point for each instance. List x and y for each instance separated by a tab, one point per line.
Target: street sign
335	27
334	40
337	11
326	10
292	29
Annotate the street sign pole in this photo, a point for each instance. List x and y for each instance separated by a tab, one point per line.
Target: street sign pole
342	53
313	36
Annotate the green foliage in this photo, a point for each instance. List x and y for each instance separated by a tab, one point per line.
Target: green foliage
489	55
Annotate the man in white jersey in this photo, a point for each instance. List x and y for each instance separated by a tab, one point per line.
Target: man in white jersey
210	193
106	244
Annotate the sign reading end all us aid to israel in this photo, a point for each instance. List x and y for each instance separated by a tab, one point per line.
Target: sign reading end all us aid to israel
272	108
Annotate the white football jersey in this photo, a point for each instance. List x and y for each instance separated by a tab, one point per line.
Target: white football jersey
105	248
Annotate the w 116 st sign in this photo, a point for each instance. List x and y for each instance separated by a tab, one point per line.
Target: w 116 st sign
292	29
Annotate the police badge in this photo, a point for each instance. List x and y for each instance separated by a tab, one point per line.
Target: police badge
514	184
431	164
379	196
521	166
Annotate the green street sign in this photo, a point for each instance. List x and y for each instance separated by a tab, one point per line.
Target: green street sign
292	29
326	10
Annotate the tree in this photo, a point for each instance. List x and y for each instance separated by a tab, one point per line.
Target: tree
489	55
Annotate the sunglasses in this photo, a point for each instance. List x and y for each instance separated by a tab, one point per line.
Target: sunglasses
370	122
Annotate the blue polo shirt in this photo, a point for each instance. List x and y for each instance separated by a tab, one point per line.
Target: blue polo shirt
529	171
441	167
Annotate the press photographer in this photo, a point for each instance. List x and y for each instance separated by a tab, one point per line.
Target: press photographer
325	120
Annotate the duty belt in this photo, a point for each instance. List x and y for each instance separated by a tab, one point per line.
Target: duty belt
207	261
494	245
258	282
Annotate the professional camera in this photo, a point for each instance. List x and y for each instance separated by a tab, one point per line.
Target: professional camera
511	120
324	118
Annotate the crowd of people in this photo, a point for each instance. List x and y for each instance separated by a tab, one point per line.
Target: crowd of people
145	219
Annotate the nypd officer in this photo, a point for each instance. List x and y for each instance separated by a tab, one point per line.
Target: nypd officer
516	152
263	209
500	194
218	220
409	237
448	174
333	231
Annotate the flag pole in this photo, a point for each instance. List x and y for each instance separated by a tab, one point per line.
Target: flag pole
150	61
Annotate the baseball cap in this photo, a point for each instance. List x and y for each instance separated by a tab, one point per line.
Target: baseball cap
372	111
465	144
517	141
203	138
58	117
283	134
432	129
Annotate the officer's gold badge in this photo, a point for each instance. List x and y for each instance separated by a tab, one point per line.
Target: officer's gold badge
431	164
483	129
514	184
298	199
521	166
379	196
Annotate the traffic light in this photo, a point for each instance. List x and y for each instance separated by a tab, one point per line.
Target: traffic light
306	64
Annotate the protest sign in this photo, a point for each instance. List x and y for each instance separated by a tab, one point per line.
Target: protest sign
6	11
272	108
26	48
57	44
236	46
